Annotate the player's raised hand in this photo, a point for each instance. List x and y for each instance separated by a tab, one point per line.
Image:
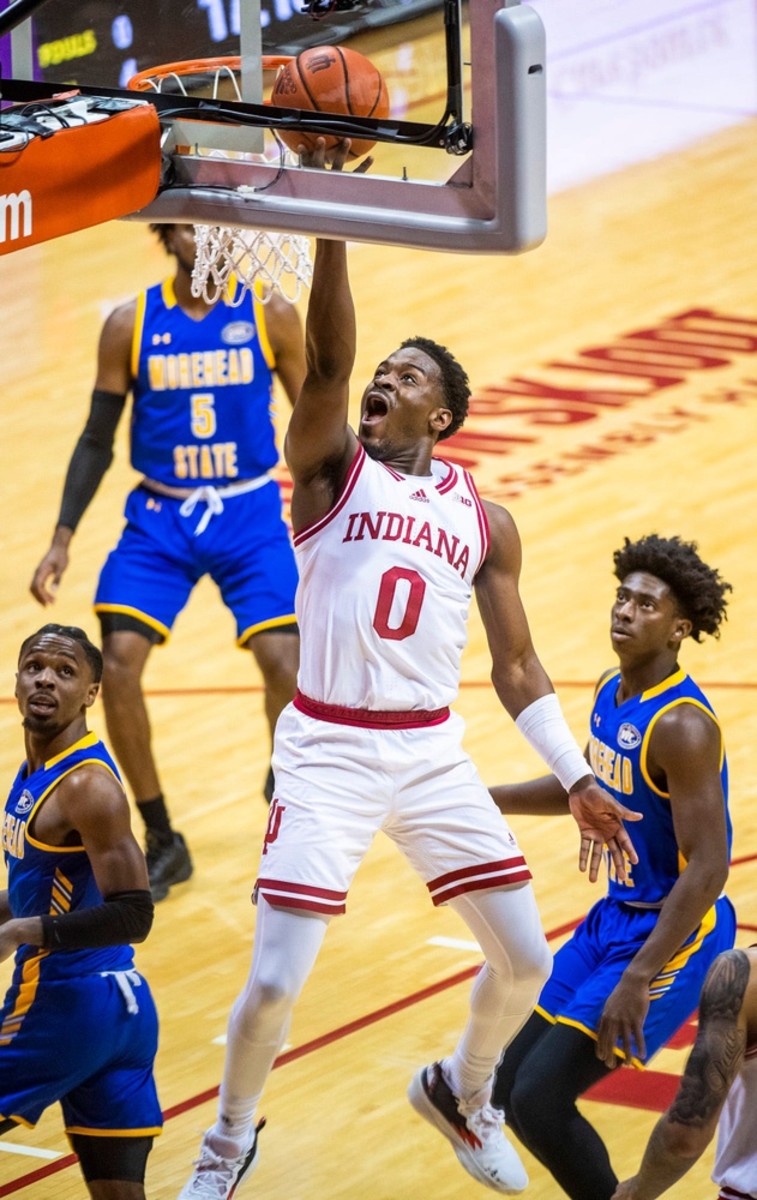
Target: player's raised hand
334	157
600	819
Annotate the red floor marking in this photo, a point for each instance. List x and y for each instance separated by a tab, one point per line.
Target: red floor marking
560	685
685	1036
34	1176
653	1090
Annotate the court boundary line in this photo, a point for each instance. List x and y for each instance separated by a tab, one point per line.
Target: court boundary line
254	689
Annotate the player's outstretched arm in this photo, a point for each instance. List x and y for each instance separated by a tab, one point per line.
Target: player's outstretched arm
683	1133
319	444
542	797
526	692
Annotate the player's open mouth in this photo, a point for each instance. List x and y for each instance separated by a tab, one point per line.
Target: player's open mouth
376	408
41	704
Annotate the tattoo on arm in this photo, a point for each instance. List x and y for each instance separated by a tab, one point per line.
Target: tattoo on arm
719	1048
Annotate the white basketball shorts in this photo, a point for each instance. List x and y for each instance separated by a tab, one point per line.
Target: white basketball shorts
337	785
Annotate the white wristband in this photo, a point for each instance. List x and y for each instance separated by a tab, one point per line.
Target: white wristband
545	729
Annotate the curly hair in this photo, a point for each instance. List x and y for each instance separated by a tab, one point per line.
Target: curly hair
161	233
699	590
74	634
454	380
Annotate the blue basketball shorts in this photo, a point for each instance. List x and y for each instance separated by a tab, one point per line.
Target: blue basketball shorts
79	1044
590	964
246	549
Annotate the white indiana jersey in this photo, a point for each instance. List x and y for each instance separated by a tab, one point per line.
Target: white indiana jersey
736	1158
385	585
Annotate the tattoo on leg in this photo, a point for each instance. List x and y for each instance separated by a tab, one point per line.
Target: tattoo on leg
719	1048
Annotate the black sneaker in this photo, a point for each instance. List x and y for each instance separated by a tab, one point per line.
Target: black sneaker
167	863
474	1129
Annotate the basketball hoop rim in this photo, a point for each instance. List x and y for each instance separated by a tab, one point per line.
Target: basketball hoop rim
143	81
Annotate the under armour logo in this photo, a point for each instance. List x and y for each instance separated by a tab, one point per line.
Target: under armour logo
161	339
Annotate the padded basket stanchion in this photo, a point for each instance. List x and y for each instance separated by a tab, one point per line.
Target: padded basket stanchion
72	162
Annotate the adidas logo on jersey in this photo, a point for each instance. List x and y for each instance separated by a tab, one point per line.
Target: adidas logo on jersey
420	495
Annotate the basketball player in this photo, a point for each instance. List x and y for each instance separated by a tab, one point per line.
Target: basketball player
202	437
720	1081
390	542
631	974
78	1024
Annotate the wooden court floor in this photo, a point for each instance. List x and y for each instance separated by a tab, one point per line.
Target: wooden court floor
671	450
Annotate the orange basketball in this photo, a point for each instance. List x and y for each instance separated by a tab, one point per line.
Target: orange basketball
330	79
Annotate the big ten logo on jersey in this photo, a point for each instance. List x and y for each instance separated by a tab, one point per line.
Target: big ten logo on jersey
610	766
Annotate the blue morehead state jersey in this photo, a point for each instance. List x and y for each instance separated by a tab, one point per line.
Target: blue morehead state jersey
618	749
202	392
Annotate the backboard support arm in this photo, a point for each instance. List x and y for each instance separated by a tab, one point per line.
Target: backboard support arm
494	203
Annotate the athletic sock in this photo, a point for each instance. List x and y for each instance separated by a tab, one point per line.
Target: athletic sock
155	816
234	1125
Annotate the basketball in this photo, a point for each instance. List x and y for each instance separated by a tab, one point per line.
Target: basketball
330	79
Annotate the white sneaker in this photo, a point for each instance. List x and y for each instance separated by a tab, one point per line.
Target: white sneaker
217	1178
474	1129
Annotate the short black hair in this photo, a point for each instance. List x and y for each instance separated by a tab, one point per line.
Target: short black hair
75	634
161	232
699	590
454	380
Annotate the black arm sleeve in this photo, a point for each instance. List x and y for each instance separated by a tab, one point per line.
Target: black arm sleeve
92	456
125	917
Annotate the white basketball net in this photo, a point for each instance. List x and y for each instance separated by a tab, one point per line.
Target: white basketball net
278	262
